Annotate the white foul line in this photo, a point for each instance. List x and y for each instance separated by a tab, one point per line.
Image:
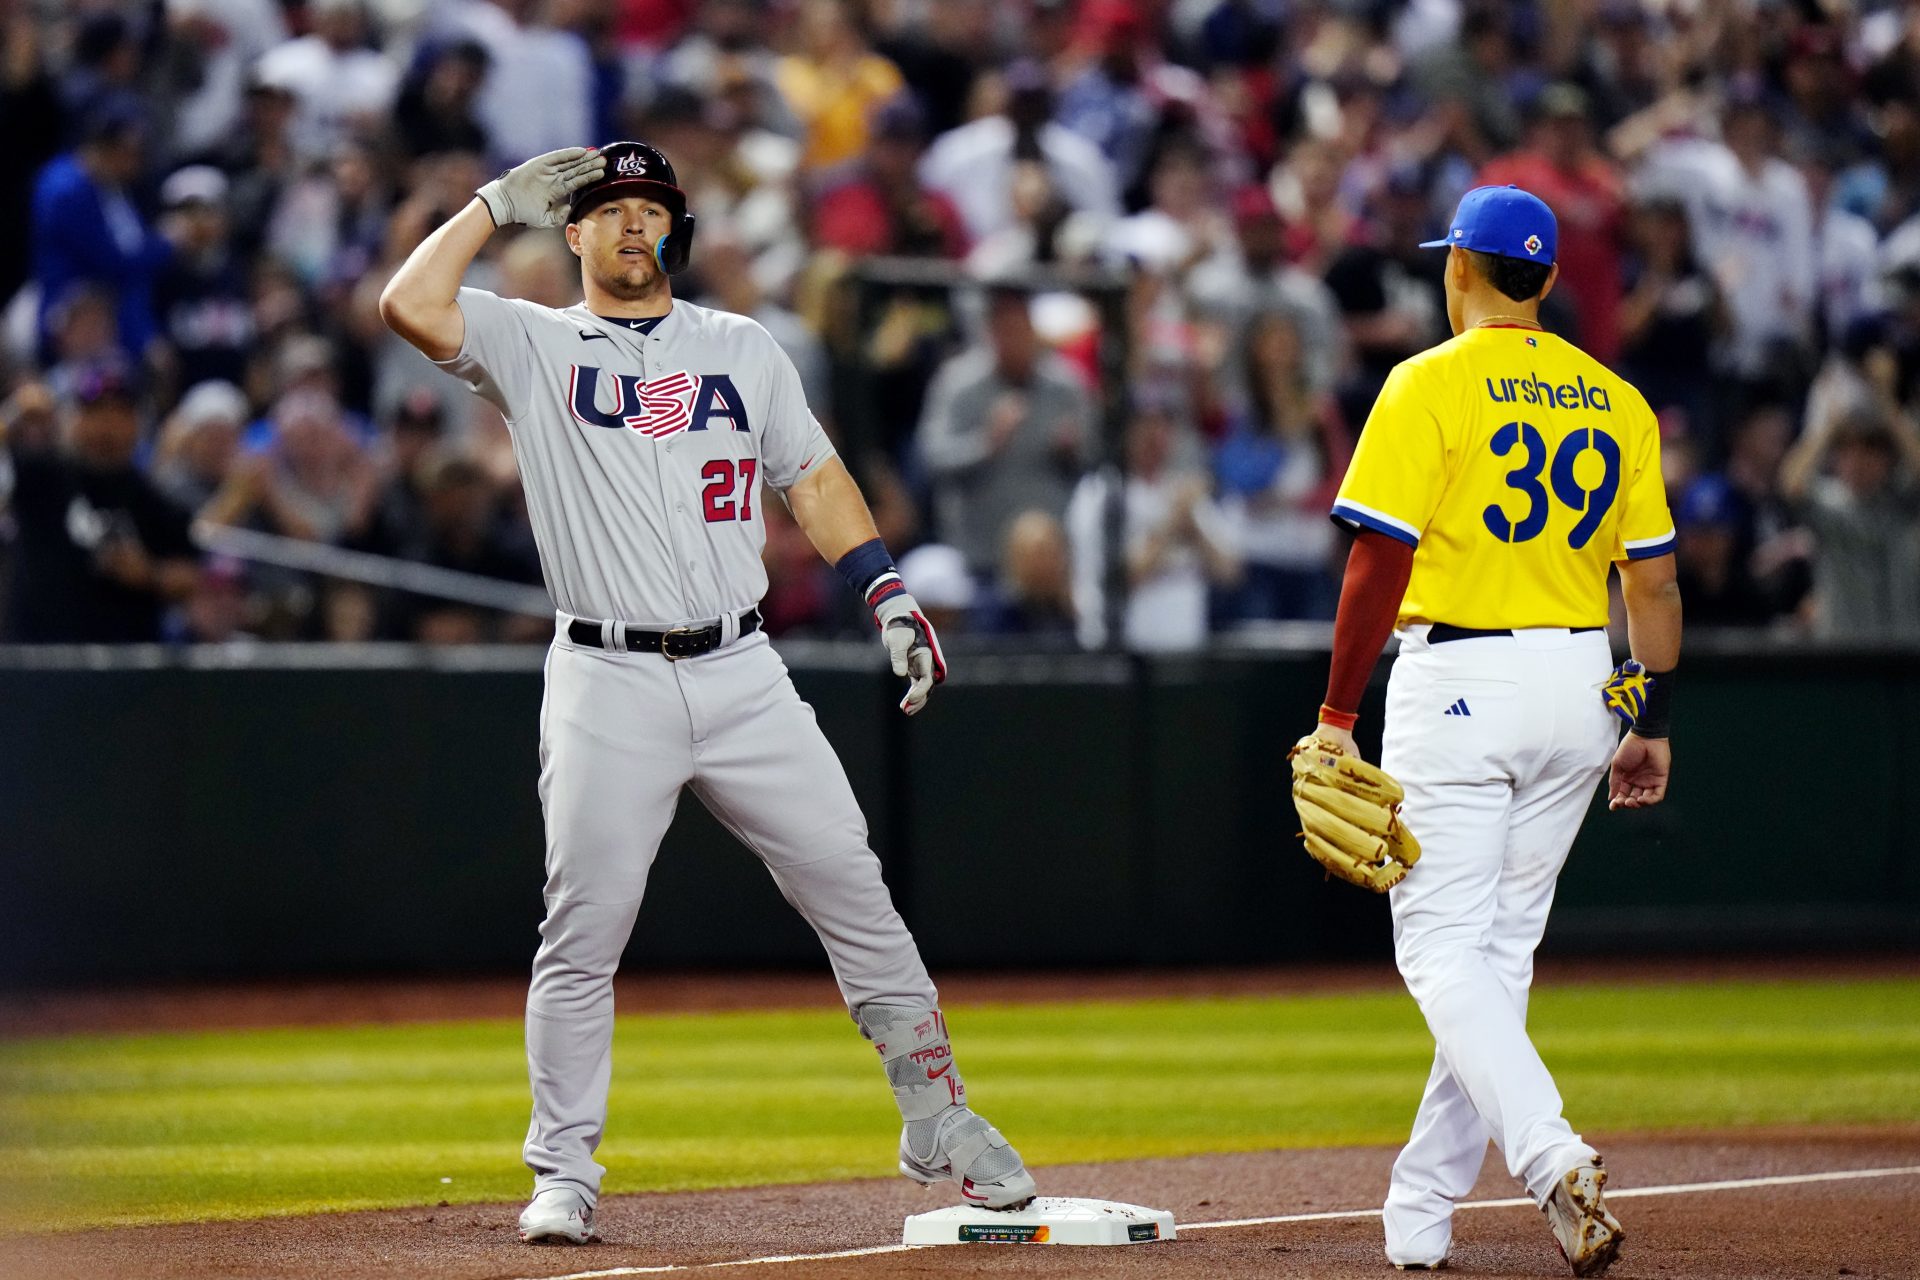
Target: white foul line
1670	1189
738	1262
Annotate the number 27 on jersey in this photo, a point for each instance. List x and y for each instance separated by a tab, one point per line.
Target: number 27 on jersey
723	475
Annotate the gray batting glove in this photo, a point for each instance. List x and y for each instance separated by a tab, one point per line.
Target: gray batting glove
912	646
537	192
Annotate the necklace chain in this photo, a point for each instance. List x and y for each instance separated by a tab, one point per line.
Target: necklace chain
1484	321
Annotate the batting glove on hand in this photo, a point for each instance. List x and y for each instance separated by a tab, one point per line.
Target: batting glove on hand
1625	691
911	644
537	192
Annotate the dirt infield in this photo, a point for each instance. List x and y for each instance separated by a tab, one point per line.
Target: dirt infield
342	1002
1863	1227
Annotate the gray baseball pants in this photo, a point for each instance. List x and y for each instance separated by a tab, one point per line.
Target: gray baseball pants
620	735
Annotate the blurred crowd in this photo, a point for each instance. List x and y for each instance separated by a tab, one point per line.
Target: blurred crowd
206	197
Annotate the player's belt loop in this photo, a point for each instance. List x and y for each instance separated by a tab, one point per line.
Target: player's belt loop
729	629
613	636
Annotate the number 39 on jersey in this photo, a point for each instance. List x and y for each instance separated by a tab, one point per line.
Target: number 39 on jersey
1591	497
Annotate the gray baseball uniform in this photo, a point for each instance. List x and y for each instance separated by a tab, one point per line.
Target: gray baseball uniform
642	455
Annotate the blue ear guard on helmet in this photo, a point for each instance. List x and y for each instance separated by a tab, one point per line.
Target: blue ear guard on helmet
675	249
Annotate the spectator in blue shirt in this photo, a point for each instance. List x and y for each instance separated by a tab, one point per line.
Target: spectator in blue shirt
87	231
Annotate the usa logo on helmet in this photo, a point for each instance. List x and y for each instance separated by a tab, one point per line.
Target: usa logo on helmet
632	165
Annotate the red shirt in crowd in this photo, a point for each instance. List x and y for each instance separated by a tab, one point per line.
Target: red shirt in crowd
856	217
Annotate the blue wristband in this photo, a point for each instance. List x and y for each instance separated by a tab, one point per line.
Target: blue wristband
868	569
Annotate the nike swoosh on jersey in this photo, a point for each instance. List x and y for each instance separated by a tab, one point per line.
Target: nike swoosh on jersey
809	462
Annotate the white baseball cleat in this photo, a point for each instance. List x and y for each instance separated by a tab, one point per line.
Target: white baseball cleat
1424	1250
557	1216
1589	1236
960	1145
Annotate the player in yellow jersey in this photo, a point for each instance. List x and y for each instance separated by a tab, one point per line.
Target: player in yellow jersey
1500	476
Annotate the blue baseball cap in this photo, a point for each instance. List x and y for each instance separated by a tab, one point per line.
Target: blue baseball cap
1505	221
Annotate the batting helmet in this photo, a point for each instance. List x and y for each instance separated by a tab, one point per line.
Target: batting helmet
634	168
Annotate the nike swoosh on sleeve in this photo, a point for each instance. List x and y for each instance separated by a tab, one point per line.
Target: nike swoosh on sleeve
809	462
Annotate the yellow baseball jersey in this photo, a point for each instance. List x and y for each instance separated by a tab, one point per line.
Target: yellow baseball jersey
1518	468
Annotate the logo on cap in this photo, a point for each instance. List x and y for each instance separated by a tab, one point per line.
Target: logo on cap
631	163
1458	232
1533	244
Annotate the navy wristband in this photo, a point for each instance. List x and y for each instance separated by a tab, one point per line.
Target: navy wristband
868	569
1656	718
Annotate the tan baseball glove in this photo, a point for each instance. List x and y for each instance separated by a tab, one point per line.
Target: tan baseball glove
1350	816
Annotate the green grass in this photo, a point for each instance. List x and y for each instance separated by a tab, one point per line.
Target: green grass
145	1128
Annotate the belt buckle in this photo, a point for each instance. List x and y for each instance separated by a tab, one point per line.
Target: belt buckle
666	643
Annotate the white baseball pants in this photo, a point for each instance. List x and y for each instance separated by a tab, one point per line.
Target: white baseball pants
1499	742
620	735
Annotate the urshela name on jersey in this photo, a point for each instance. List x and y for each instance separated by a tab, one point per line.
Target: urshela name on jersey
1537	390
657	407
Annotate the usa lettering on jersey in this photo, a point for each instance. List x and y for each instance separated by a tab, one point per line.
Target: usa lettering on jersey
656	407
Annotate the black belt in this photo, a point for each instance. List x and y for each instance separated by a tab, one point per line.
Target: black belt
681	642
1441	632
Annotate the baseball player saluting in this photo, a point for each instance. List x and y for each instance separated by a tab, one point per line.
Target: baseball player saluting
1500	475
644	429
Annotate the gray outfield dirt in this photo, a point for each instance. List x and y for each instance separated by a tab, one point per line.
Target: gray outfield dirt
1850	1228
